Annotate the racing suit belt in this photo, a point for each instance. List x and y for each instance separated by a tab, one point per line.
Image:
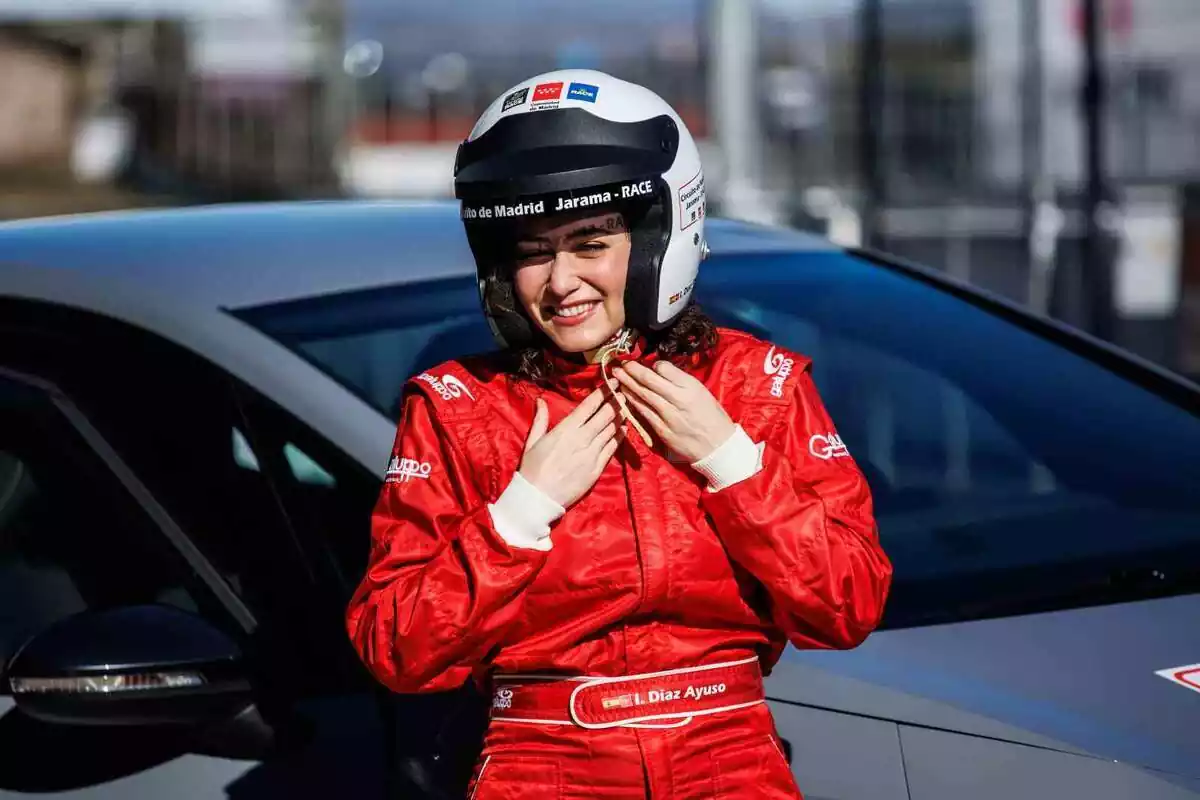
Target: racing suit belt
650	700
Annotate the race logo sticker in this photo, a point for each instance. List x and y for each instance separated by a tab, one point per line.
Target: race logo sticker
584	92
691	202
515	99
828	445
1187	677
546	96
779	367
448	386
403	470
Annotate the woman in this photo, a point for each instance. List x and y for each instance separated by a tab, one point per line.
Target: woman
616	524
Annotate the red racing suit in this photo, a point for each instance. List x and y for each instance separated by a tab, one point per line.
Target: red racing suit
651	570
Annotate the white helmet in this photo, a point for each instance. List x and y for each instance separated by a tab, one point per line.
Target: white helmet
572	139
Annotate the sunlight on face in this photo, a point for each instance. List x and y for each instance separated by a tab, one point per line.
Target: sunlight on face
570	277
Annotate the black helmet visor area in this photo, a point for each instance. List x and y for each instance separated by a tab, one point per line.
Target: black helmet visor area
563	150
601	198
494	228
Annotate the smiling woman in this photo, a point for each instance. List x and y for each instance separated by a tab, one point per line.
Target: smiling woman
622	595
570	277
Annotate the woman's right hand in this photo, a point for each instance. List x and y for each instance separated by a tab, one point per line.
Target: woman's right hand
565	462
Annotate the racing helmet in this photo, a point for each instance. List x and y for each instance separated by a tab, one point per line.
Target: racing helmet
572	140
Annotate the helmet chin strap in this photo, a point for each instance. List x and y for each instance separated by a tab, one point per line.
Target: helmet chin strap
621	342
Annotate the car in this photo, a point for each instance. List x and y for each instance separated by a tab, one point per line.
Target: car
197	407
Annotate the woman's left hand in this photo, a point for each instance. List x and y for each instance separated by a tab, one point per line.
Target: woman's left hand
679	408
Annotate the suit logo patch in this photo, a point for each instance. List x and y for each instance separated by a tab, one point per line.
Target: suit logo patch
779	367
448	386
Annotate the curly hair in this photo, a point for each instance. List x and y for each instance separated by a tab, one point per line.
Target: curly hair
691	338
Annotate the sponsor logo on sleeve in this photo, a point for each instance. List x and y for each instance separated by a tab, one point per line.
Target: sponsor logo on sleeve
1187	677
403	470
448	386
584	92
546	96
515	99
779	367
827	445
502	699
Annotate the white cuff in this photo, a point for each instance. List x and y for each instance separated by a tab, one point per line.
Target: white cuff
734	461
523	513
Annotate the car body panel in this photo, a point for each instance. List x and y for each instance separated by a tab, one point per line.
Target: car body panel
1084	676
339	758
943	766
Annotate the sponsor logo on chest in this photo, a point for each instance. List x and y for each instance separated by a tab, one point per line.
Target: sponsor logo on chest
779	367
448	386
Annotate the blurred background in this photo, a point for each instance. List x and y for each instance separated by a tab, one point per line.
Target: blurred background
1046	150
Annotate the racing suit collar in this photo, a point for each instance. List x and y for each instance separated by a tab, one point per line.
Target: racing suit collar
572	375
578	375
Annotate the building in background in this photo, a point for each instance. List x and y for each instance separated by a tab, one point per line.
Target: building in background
39	98
189	101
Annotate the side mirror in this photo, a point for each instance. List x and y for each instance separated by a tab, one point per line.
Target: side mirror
137	665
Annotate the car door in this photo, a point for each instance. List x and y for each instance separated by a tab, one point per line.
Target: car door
73	539
1036	495
175	422
432	739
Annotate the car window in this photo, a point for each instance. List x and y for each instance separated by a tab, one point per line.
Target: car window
71	538
372	341
1009	473
327	495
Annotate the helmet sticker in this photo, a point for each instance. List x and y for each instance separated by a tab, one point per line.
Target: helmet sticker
680	295
584	92
515	99
691	202
546	96
564	201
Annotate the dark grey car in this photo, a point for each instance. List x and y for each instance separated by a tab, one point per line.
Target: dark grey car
196	407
